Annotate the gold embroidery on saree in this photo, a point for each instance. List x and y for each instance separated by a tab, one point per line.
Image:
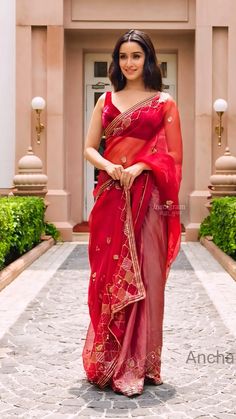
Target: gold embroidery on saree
142	198
104	186
128	262
134	370
123	117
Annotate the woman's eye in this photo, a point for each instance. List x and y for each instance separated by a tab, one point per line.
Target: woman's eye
135	57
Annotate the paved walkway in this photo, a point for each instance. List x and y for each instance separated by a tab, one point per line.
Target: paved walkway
43	320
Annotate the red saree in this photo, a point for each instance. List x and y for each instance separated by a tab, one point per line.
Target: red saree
134	238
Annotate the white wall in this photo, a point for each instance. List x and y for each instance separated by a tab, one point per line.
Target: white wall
7	92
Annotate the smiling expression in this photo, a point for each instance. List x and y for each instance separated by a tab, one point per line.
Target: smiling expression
131	60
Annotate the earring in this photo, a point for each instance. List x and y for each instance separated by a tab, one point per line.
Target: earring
122	77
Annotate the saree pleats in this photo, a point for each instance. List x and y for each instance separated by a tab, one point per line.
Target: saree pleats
140	355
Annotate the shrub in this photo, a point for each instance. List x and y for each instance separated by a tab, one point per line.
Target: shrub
21	226
51	230
221	224
205	227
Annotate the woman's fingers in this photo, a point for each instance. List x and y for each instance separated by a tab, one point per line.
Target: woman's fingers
126	179
114	170
125	176
118	171
129	174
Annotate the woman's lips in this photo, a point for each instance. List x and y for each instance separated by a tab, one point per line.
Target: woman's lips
130	71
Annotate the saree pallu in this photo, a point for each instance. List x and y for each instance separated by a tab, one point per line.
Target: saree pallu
134	238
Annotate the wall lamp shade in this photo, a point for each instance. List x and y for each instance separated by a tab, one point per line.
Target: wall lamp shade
38	103
220	106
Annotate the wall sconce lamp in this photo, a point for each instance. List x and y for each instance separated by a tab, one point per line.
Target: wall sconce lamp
220	106
38	104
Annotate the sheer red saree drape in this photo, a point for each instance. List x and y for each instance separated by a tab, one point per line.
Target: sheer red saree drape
134	238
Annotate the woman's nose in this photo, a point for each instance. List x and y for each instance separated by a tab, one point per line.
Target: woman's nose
129	61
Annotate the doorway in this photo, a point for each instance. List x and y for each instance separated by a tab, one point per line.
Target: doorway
96	83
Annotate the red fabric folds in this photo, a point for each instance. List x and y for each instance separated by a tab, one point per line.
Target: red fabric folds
148	132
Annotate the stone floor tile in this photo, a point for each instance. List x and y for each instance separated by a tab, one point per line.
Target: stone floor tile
41	371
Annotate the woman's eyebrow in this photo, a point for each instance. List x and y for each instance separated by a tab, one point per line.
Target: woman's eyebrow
135	52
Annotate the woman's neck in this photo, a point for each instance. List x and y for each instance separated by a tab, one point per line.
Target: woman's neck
135	85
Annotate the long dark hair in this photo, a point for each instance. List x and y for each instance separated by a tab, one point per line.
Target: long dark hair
151	71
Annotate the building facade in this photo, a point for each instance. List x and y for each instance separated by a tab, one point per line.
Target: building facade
63	49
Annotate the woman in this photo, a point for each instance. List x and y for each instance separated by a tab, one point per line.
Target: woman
134	224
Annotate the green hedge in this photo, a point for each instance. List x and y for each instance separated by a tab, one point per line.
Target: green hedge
221	224
21	226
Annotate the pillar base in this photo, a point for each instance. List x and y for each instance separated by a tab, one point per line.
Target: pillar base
30	192
58	212
191	232
197	213
5	191
66	230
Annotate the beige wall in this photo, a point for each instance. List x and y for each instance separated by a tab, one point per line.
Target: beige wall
52	38
122	11
215	66
123	14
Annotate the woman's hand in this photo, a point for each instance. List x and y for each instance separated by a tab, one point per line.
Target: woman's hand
114	170
130	173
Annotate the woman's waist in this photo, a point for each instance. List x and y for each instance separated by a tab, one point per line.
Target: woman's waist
123	150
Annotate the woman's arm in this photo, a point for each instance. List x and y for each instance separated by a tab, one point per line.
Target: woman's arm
93	137
93	140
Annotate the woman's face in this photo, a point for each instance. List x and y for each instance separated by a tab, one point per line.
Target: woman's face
131	60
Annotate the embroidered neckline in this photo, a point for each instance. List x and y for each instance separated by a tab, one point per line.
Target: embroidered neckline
122	116
136	105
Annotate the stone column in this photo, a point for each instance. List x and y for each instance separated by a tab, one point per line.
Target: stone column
215	66
58	197
231	88
40	72
203	129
